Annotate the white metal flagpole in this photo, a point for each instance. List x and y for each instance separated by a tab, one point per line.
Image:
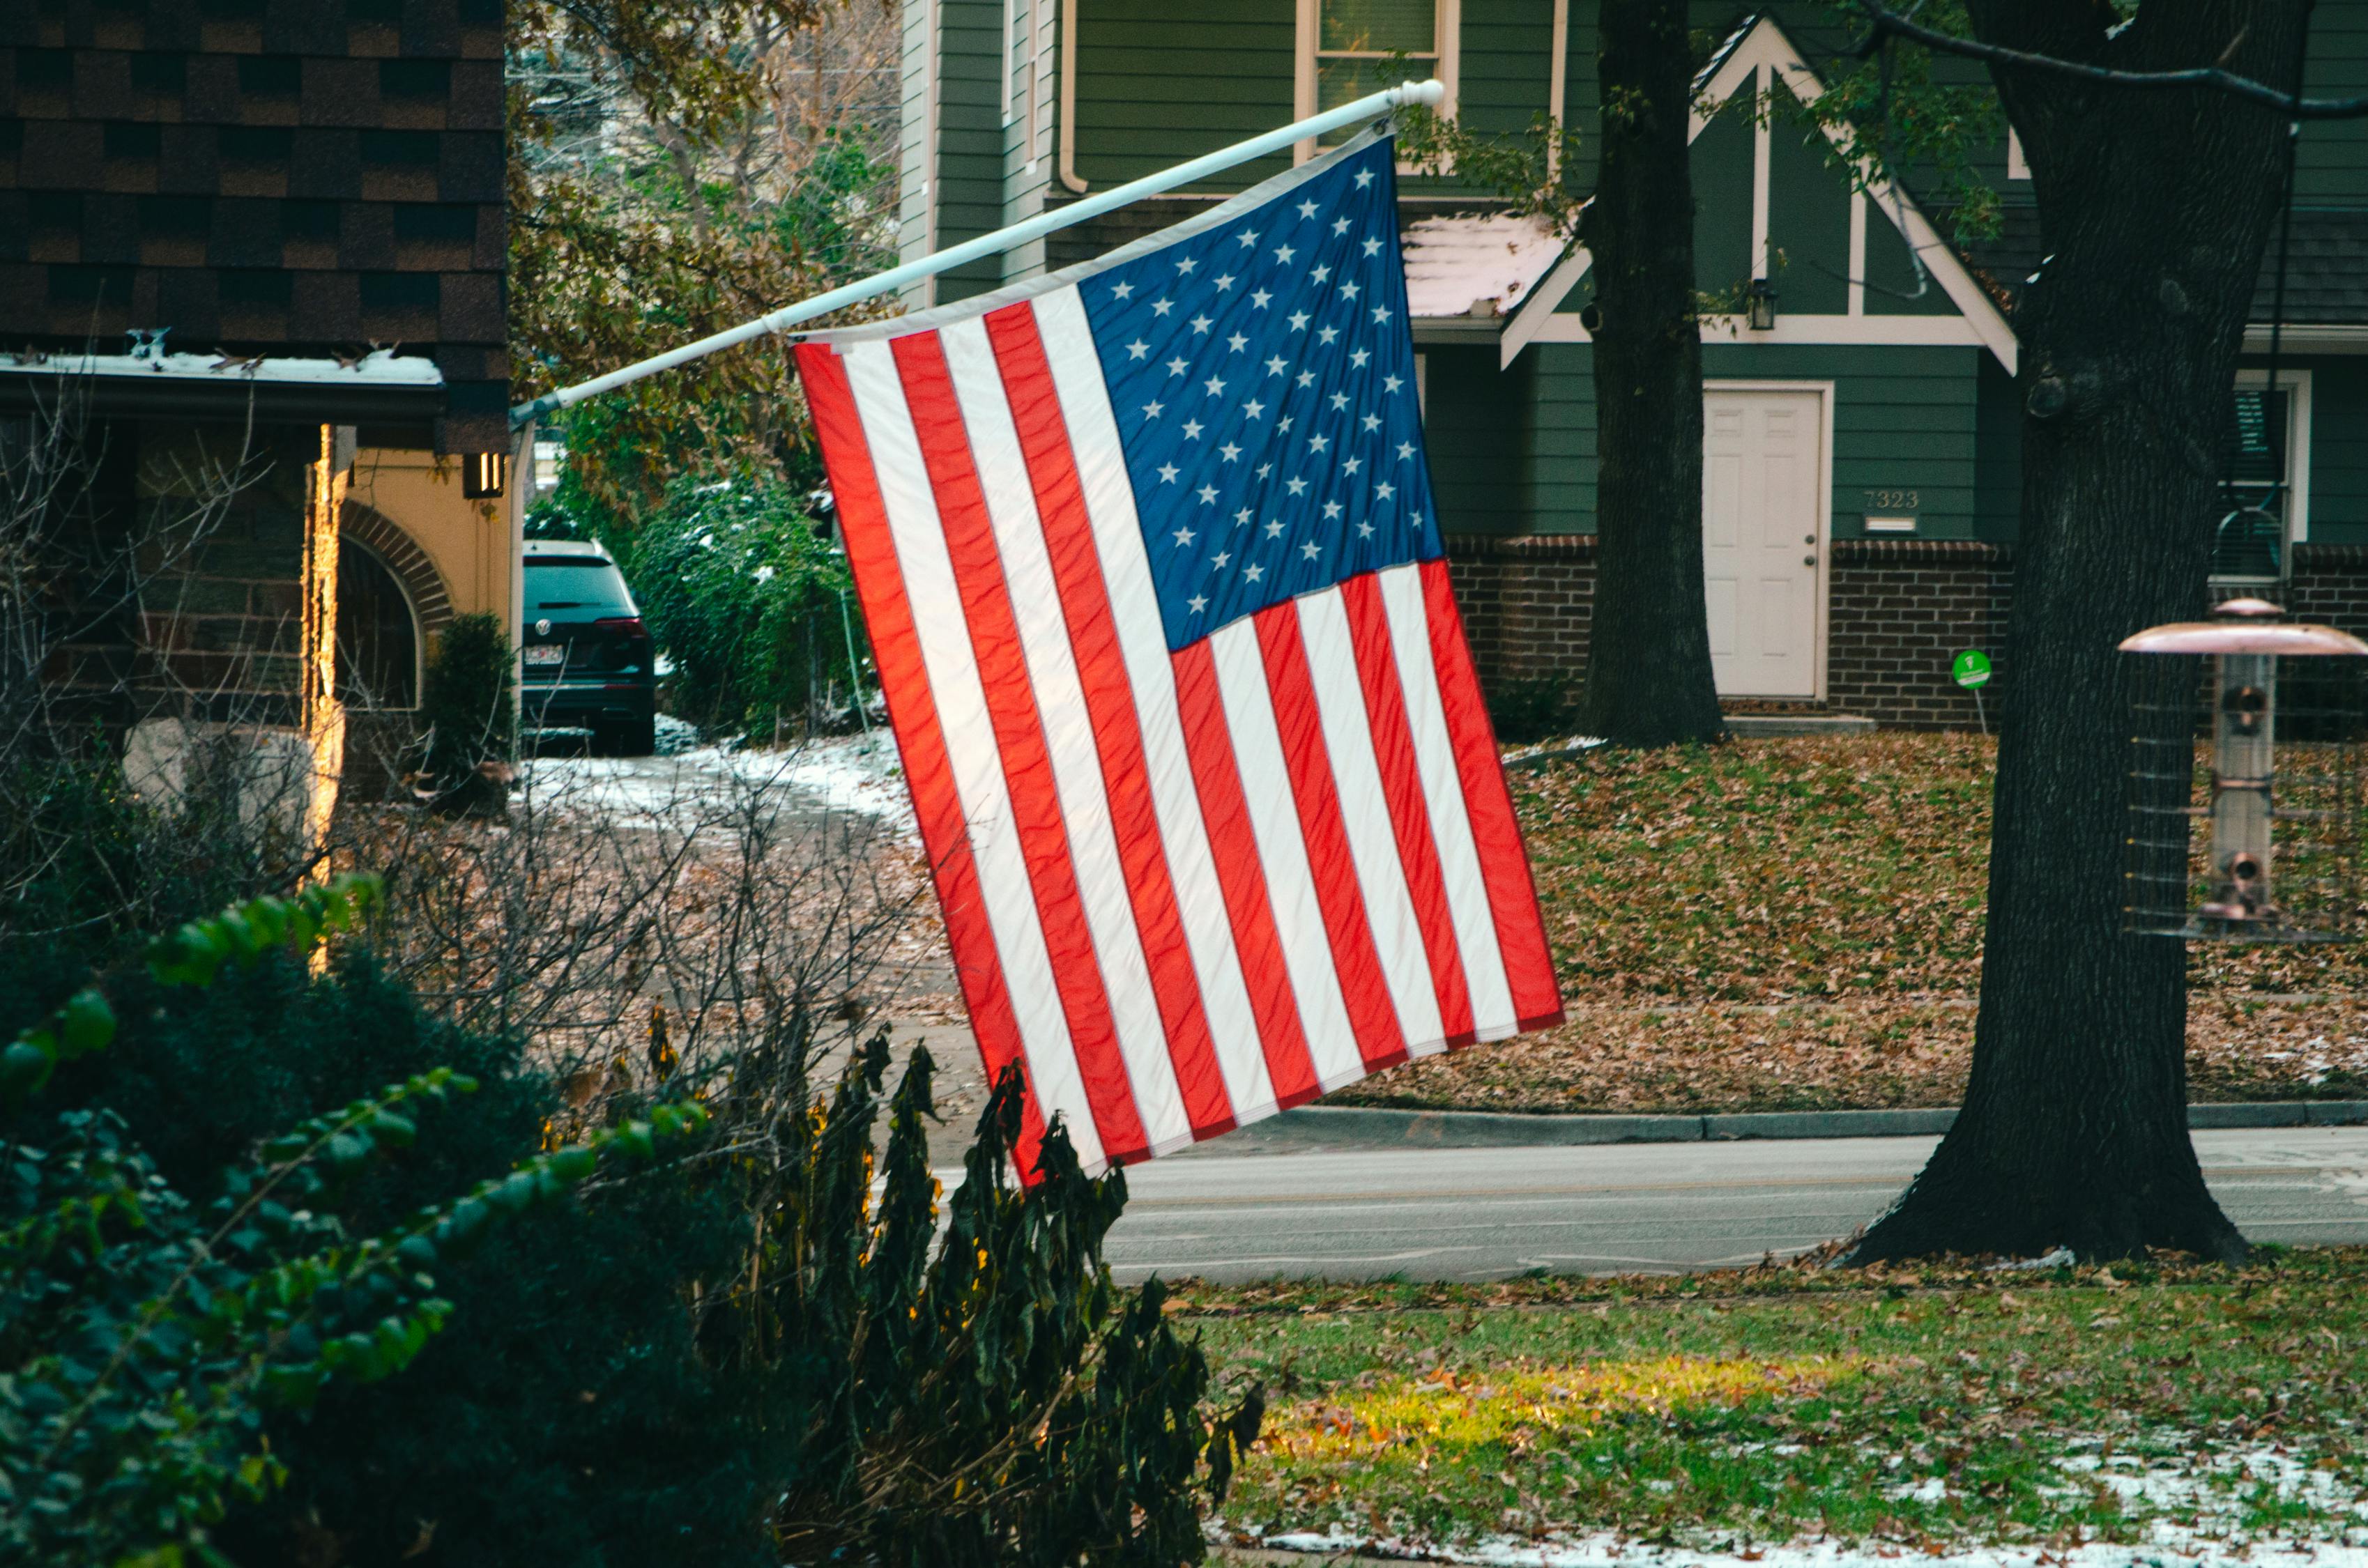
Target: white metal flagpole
1371	107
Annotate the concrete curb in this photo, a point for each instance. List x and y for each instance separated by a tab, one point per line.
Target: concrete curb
1370	1127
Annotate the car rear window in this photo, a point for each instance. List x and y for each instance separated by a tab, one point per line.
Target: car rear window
592	587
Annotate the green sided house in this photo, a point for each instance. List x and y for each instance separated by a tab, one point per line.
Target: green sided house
1862	418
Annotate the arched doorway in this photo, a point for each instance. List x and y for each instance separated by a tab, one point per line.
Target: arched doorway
378	633
391	601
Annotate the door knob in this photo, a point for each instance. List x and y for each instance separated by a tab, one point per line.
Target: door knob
1809	561
1808	539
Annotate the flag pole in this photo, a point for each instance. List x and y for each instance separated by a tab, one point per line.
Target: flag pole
1372	105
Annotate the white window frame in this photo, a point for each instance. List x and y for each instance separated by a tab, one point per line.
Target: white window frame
1023	52
1447	31
2296	513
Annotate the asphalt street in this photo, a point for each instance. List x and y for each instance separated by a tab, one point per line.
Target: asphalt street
1624	1209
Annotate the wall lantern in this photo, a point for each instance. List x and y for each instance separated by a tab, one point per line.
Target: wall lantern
1760	305
483	474
2245	796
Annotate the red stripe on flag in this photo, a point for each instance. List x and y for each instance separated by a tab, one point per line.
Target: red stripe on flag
1109	704
1218	781
1377	672
921	744
1020	737
1381	1040
1504	863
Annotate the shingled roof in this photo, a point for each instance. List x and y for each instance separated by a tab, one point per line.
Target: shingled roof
297	178
2326	266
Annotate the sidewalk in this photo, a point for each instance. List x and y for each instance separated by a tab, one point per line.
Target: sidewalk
1327	1129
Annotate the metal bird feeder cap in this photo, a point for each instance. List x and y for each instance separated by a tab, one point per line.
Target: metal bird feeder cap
2244	626
2245	811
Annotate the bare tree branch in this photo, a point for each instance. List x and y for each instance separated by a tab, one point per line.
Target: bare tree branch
1883	24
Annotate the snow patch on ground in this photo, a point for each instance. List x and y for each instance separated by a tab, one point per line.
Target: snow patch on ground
1588	1552
857	774
2212	1488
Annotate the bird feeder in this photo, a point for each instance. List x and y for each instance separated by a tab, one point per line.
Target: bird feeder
2245	806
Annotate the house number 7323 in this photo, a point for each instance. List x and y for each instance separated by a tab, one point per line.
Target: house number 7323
1890	500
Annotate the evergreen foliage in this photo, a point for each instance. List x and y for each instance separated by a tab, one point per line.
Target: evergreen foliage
466	704
636	1377
997	1403
146	1334
752	606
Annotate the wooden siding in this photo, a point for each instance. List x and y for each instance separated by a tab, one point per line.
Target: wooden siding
2339	455
970	136
1475	429
1903	419
1722	174
1808	219
2331	162
1997	454
1157	85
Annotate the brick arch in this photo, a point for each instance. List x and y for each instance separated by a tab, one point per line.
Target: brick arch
431	602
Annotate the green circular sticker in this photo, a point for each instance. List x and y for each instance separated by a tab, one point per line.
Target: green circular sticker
1972	668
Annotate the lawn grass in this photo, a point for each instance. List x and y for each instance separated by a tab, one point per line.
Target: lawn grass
1940	1405
1796	923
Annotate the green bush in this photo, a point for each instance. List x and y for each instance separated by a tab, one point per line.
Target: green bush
1532	709
998	1402
641	1376
752	607
145	1333
466	705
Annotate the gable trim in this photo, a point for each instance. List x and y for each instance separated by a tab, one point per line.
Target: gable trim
1537	315
1766	52
1754	56
1879	332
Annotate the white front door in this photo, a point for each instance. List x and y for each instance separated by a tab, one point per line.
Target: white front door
1762	559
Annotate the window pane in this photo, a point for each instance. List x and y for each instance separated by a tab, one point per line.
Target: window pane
2256	453
1380	25
1344	81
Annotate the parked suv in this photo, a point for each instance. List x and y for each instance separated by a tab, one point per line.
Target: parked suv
588	660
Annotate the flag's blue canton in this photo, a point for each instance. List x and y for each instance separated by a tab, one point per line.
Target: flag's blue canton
1262	373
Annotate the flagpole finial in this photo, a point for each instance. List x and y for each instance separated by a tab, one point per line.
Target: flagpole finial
1433	93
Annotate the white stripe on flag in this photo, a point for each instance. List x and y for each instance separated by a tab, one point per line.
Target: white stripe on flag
1443	791
1365	813
1062	327
944	635
1068	733
1282	854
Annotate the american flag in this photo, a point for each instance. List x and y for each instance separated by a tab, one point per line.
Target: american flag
1157	598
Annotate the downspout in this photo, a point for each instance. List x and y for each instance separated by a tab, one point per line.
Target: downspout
1064	69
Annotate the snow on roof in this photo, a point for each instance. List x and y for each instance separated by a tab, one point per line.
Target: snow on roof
1475	264
380	367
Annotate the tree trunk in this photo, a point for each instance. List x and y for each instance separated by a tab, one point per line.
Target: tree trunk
2154	206
1648	675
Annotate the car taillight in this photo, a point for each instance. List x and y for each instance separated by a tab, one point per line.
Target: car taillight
621	626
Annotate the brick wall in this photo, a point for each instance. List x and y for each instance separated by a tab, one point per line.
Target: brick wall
1899	613
2330	584
1901	610
1526	602
184	596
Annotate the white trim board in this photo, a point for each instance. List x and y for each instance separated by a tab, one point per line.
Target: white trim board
1755	58
1885	331
2329	338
